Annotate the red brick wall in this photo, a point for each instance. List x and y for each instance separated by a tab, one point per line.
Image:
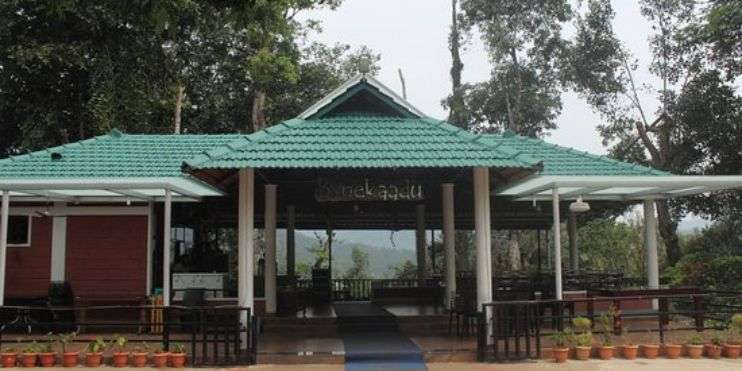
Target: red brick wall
106	256
28	268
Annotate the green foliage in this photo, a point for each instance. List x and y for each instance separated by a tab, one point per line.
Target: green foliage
31	348
605	322
694	339
96	346
713	258
119	343
610	245
560	338
406	270
581	324
178	348
584	339
360	264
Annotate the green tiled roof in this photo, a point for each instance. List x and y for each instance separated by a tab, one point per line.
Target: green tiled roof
558	160
114	155
361	142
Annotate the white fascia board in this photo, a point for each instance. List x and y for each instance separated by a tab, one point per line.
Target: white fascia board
327	99
107	187
644	187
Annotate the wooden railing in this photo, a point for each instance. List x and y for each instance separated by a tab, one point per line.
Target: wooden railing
513	330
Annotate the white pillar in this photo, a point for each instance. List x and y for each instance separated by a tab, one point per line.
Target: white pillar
166	245
4	211
245	243
574	247
449	247
290	241
421	243
650	245
557	244
59	248
270	249
150	243
482	235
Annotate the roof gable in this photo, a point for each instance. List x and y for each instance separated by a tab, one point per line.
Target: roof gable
362	94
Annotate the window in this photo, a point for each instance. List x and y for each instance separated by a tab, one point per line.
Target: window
19	230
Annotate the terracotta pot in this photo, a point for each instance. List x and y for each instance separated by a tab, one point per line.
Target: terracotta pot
694	351
630	351
673	351
9	359
139	359
712	351
93	359
70	359
28	359
732	350
120	359
582	353
177	360
47	359
650	351
159	360
560	354
605	352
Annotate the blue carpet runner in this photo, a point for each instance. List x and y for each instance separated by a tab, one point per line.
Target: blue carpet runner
373	341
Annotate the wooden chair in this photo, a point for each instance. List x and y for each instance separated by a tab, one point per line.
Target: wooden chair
465	312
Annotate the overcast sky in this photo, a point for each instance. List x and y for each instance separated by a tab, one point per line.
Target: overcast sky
412	35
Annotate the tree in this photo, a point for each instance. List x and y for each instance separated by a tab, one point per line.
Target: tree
404	271
696	108
360	264
720	32
456	103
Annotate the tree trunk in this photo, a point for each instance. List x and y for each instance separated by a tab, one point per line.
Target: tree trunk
179	96
668	228
456	114
514	251
258	111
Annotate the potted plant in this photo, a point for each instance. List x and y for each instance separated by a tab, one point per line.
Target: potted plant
713	347
178	356
160	357
694	346
69	358
583	339
139	355
629	349
560	350
120	355
9	357
29	354
94	353
673	349
47	356
734	334
649	348
606	349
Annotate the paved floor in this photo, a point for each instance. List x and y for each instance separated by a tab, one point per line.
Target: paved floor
591	365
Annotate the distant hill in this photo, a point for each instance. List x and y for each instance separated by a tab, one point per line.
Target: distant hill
380	258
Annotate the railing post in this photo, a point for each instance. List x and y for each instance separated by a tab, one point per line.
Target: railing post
591	311
698	312
166	328
664	308
481	335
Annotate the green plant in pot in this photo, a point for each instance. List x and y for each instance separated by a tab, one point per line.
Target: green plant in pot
178	356
47	356
139	355
713	346
649	348
94	352
160	356
9	357
120	354
629	349
583	338
29	354
733	342
606	321
70	358
560	350
694	346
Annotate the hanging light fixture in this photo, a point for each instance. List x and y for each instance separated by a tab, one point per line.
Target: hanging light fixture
579	206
